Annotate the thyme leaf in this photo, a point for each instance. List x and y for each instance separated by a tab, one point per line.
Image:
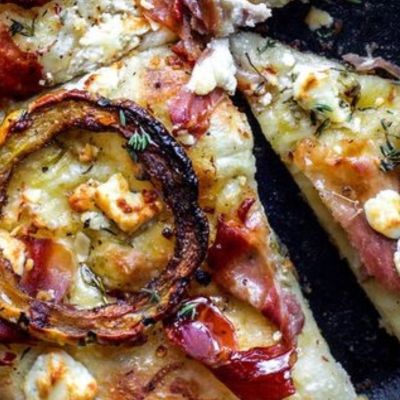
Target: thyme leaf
154	297
322	127
24	30
139	141
323	108
391	155
188	310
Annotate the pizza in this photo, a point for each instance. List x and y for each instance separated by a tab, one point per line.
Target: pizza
137	261
336	131
54	42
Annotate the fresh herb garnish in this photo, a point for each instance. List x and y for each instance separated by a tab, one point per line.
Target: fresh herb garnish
391	155
154	297
91	279
139	141
188	310
322	108
322	127
122	118
269	44
22	29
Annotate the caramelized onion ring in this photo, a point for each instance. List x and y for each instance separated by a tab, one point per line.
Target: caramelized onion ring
169	169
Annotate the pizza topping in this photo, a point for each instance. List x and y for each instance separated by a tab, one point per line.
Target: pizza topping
242	267
369	63
345	182
190	113
51	269
56	375
323	93
383	213
168	168
14	251
128	210
196	21
216	68
20	72
202	331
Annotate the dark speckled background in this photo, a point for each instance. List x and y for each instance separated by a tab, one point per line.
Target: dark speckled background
346	317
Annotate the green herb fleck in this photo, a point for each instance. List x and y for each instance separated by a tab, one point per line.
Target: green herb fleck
122	118
22	29
322	127
188	310
391	155
154	297
323	108
269	44
139	141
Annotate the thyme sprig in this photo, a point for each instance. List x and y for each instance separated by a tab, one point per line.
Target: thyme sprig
390	153
189	310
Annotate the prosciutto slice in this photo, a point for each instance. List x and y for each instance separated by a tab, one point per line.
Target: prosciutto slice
345	182
246	268
203	332
52	269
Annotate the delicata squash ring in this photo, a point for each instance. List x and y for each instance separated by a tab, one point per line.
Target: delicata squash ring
169	169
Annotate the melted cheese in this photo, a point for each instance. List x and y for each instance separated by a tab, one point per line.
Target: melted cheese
217	69
57	376
74	37
13	250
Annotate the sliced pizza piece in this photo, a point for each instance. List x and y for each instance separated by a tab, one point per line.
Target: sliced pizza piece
56	41
96	248
336	131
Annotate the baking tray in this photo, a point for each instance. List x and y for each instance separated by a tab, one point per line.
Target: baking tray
345	316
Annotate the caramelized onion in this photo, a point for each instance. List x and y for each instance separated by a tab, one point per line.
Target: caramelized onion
169	169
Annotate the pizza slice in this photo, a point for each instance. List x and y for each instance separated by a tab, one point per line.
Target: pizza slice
55	42
336	131
104	228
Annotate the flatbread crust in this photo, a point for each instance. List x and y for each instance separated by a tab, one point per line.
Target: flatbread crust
223	161
284	116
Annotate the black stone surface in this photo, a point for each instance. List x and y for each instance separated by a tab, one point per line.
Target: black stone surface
346	317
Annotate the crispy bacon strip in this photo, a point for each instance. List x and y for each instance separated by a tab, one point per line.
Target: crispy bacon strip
20	72
168	167
203	332
344	184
